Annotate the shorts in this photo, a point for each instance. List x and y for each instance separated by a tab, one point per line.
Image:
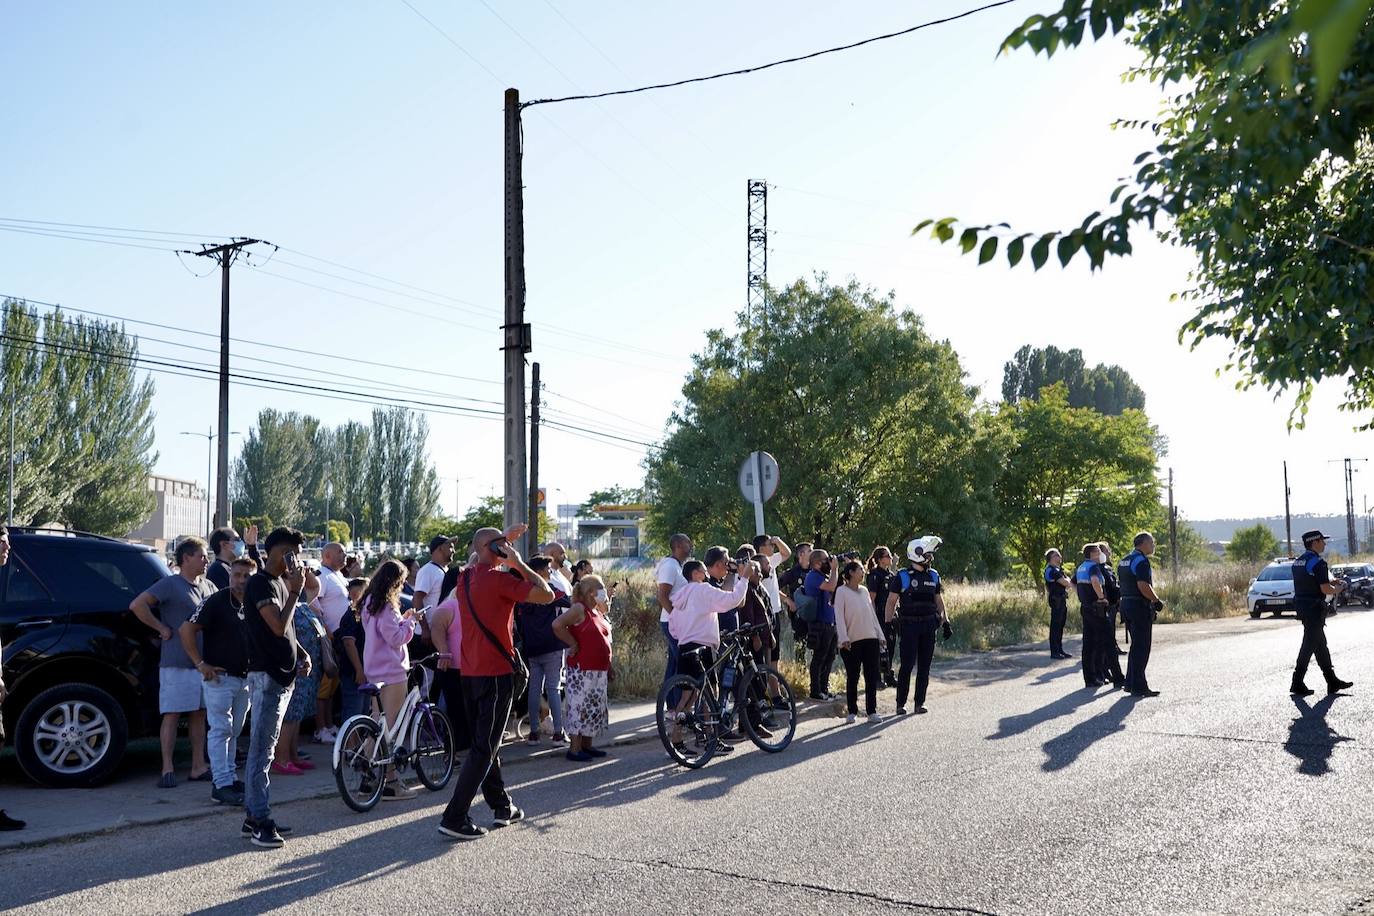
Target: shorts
179	690
328	687
694	664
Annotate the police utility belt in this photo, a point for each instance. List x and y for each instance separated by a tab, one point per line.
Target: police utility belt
918	613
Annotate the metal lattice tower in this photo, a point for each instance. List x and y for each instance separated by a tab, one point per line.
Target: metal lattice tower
758	252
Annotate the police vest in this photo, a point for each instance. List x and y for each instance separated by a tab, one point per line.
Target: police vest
1110	587
1057	593
916	590
1082	577
1133	569
1309	572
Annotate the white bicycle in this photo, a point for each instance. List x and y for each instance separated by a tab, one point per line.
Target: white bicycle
421	739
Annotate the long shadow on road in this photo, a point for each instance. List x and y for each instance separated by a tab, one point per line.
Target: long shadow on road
1066	748
1311	738
1018	724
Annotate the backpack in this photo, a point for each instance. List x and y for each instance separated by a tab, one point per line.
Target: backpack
806	605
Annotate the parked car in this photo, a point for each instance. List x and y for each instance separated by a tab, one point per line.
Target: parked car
1360	587
1272	590
80	669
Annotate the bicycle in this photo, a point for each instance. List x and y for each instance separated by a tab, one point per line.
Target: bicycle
367	746
760	693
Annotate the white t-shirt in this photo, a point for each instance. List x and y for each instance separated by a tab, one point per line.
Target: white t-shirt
333	597
429	580
560	581
770	585
669	572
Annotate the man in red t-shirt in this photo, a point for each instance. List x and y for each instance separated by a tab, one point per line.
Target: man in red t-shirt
487	594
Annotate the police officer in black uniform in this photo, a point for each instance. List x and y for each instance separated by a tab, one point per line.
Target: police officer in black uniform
1113	590
1311	584
879	584
916	601
1057	591
1140	606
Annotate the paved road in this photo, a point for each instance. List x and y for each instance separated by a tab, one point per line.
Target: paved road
1019	793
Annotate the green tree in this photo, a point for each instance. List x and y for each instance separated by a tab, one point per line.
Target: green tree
83	421
1253	544
1073	475
338	530
270	473
1106	389
611	496
873	425
1261	163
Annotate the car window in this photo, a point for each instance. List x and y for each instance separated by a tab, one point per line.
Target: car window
20	585
82	574
1275	573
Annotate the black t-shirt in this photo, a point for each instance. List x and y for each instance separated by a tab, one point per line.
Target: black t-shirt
225	633
269	652
351	627
792	580
218	573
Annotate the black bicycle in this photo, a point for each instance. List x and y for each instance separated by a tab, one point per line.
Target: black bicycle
760	703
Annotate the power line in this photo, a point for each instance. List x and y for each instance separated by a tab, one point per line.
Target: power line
77	238
450	39
767	66
44	222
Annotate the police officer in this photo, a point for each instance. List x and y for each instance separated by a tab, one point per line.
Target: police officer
1057	591
879	584
1311	584
1112	588
916	601
1140	606
1099	658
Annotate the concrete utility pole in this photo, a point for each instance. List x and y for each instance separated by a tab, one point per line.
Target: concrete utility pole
9	516
1287	512
224	255
515	332
532	536
1352	542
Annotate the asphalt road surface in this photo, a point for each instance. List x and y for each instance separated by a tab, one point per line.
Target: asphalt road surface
1020	792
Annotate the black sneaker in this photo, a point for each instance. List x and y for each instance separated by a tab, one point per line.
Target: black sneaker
781	704
265	834
249	825
9	823
595	751
467	831
507	816
226	795
723	748
239	787
1147	692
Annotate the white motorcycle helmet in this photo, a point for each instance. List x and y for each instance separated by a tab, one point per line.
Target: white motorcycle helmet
922	549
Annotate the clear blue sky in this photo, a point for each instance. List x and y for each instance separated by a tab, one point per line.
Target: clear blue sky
356	133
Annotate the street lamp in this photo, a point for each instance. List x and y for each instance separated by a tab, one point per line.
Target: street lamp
209	458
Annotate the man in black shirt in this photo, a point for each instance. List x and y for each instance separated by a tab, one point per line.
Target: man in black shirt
788	583
269	602
224	668
226	546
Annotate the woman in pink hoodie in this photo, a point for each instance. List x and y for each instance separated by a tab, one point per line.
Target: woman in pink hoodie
386	661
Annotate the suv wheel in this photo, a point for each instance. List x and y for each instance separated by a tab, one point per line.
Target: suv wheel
71	736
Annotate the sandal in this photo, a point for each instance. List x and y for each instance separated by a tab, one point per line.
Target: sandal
167	781
203	777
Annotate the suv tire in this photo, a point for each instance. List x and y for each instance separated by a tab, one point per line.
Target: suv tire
85	721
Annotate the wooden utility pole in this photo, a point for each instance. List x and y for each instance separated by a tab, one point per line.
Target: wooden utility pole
1173	527
515	332
532	543
224	255
1287	512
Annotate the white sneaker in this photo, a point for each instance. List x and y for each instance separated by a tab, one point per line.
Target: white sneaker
326	736
874	719
850	719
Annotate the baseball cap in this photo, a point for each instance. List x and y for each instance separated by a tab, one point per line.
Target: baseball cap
439	540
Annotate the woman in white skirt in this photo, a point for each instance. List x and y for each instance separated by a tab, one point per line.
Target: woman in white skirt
586	630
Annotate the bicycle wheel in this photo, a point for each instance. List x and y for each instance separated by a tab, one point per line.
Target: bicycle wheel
759	709
699	722
431	736
360	763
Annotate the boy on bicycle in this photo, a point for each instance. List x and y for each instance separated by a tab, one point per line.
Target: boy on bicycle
695	624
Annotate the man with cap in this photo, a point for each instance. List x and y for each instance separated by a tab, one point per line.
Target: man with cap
916	600
1311	584
429	581
1139	605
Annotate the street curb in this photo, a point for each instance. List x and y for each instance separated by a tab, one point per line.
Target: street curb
807	710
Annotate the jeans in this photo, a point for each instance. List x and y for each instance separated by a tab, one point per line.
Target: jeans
822	656
487	701
670	670
226	706
1059	615
918	651
546	674
1313	643
1140	622
865	654
269	706
350	701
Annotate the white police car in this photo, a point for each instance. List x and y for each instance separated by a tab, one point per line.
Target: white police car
1272	590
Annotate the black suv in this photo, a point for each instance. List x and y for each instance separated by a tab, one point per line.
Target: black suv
81	670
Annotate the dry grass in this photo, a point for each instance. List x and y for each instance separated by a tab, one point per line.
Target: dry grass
985	615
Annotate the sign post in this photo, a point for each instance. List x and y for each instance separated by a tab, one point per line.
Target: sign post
758	481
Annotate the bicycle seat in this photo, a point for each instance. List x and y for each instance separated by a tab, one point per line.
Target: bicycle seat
370	690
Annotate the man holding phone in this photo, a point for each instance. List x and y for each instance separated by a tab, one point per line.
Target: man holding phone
487	596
